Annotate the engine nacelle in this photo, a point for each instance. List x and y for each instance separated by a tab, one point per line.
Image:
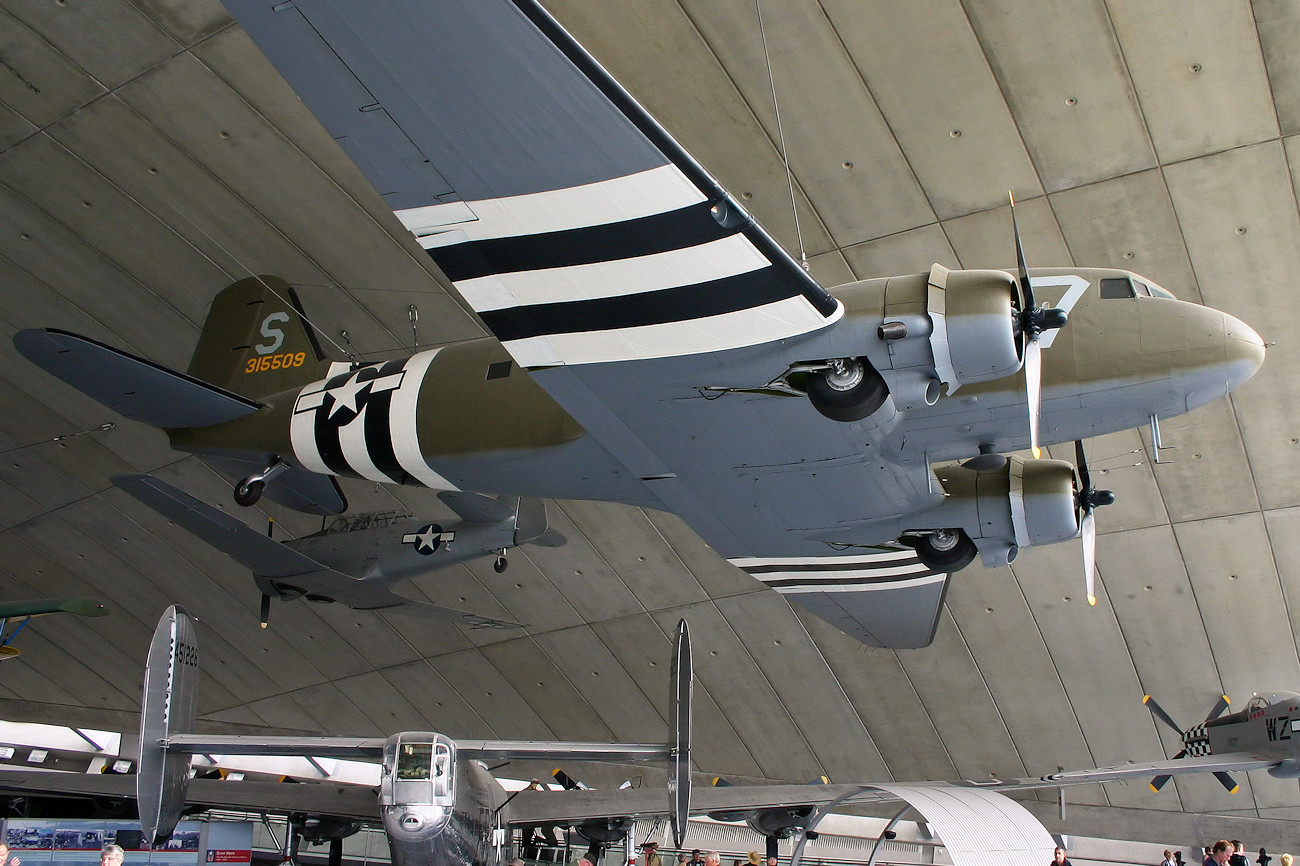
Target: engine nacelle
1002	510
974	310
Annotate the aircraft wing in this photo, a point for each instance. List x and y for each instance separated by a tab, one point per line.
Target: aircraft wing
350	802
39	606
635	290
268	558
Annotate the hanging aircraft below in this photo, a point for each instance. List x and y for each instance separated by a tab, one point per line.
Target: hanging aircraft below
357	564
440	806
25	610
653	345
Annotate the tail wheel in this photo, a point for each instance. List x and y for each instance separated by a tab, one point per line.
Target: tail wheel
248	492
945	550
848	390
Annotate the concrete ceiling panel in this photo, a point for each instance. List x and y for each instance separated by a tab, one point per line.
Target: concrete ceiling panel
43	84
553	696
384	705
1128	222
13	128
1063	75
605	686
112	40
986	239
842	151
899	725
658	53
642	646
1203	469
911	252
480	684
745	695
717	576
991	613
797	671
959	704
1283	526
108	218
947	112
439	705
830	269
641	558
1277	21
1199	74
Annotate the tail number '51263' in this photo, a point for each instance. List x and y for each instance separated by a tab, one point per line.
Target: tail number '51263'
282	361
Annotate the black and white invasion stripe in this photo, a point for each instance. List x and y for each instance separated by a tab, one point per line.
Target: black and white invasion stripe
629	268
362	422
884	570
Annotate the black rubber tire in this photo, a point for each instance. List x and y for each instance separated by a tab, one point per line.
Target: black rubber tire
853	403
948	560
248	492
500	564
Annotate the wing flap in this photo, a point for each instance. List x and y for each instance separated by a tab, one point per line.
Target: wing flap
476	508
131	386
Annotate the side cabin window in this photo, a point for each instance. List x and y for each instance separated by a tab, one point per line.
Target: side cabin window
1117	287
413	761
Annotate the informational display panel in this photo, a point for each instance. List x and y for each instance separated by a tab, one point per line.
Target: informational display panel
75	842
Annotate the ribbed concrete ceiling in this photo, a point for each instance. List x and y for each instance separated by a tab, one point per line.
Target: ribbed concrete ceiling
149	156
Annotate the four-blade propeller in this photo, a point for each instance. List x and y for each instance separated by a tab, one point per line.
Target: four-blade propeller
1194	737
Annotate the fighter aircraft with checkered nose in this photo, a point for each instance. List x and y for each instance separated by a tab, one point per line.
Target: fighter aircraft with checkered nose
653	345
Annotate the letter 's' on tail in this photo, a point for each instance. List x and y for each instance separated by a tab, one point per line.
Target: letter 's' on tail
256	340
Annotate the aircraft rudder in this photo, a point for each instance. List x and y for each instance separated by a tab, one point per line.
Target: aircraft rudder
256	341
169	707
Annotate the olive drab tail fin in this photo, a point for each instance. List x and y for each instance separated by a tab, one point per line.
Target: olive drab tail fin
257	341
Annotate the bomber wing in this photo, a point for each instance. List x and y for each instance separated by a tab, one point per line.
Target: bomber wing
268	558
637	292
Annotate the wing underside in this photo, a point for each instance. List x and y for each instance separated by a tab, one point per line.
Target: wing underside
612	266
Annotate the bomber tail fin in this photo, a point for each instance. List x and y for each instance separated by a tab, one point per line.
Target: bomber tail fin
256	340
171	690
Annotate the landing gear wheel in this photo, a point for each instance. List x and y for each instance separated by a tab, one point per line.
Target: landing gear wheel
849	390
945	550
248	492
500	564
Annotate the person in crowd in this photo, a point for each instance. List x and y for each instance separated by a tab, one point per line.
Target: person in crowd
1059	858
5	859
112	855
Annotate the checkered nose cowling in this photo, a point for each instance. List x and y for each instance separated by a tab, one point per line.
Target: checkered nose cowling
1196	742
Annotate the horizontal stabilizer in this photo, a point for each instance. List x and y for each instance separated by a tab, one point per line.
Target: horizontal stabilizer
263	556
476	508
131	386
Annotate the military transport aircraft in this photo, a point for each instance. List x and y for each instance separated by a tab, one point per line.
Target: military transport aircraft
25	610
440	806
655	346
356	562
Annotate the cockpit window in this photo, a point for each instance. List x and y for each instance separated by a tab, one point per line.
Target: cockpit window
1116	287
1141	288
1157	292
413	760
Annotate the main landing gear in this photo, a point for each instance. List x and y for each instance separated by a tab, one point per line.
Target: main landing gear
849	389
945	549
248	491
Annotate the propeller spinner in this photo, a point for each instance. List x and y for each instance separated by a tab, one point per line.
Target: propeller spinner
1031	321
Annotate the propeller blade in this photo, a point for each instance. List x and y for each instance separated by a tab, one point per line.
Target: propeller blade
1159	781
1088	531
1159	713
1033	390
1217	710
1026	290
1226	781
265	615
1081	463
